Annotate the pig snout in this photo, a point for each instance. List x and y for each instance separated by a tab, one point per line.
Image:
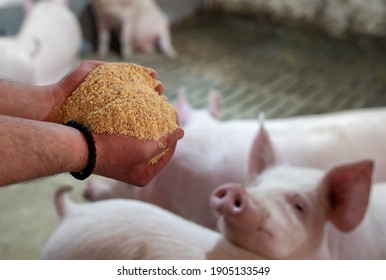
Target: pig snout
229	200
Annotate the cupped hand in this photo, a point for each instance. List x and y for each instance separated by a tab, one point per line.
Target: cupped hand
69	83
129	159
120	157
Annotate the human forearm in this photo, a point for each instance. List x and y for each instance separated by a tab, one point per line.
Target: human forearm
33	145
41	102
32	149
25	101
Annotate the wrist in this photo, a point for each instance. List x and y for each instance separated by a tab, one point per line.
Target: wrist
31	149
25	101
91	162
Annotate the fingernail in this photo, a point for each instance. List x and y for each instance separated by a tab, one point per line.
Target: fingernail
160	88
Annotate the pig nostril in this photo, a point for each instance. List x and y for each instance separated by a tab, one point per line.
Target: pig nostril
221	193
238	204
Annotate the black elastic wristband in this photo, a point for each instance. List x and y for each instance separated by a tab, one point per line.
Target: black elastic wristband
87	171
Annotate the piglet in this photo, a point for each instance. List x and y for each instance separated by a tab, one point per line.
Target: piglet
46	46
303	213
130	229
288	213
16	60
141	24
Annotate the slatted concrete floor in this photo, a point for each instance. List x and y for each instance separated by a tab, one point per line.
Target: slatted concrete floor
283	73
256	68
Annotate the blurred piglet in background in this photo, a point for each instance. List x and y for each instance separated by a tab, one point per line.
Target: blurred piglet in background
46	47
141	24
288	213
6	3
215	152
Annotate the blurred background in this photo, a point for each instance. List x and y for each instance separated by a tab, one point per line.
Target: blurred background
283	57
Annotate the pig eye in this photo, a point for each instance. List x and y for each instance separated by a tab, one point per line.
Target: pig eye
298	207
298	204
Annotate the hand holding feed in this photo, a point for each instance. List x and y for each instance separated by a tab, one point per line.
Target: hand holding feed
134	127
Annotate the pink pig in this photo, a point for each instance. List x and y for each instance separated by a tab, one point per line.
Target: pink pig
46	46
141	23
287	213
215	152
303	213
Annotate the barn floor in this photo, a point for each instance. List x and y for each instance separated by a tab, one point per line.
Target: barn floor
256	68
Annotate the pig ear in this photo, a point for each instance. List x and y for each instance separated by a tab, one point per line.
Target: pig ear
183	107
262	154
27	6
348	190
214	103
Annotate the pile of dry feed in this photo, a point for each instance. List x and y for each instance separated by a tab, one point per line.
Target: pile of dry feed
121	98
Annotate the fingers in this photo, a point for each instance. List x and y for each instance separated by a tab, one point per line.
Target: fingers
154	74
72	80
154	169
166	149
160	88
131	160
172	138
89	65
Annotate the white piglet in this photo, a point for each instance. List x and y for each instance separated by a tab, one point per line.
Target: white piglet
288	213
141	25
45	48
16	60
295	213
303	213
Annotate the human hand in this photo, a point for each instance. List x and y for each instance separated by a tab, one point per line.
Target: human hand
122	157
68	84
127	159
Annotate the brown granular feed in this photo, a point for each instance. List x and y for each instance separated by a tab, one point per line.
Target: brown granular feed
155	159
121	98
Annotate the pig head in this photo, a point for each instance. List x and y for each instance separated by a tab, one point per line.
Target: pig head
283	216
284	212
141	25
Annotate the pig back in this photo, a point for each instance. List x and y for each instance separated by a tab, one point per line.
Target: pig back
127	229
322	141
